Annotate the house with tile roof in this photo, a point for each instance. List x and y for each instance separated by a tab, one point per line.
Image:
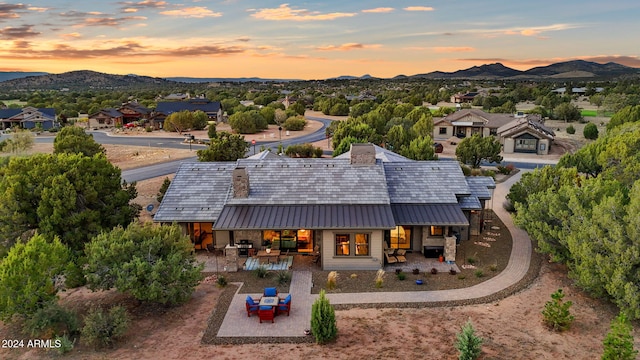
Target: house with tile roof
105	118
516	132
351	208
28	118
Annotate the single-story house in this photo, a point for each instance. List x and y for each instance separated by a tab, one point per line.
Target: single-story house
213	109
465	98
350	208
467	122
105	118
524	135
28	118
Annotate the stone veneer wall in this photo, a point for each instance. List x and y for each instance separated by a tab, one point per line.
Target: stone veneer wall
231	259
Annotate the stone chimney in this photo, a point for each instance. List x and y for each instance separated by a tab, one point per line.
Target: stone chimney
240	180
363	154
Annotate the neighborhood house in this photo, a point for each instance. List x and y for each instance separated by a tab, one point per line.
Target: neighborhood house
349	208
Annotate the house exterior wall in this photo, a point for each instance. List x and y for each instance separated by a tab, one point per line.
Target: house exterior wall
438	136
508	145
543	146
332	262
255	236
221	239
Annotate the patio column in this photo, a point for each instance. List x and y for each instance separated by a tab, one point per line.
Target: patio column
450	248
231	259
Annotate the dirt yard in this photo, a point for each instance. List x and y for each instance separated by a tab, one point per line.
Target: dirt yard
512	329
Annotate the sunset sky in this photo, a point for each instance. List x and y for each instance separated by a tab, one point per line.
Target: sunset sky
312	39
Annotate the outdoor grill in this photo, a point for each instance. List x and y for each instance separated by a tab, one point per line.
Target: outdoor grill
243	247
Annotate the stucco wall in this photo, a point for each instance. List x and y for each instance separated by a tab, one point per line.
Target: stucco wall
332	262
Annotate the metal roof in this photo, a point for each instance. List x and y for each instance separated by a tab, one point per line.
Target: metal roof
169	107
470	203
334	216
429	214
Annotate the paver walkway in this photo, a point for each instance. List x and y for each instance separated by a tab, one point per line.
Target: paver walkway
236	322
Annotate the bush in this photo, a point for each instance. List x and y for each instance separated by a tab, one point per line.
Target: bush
401	276
323	320
380	278
105	328
479	273
283	277
303	151
618	344
571	130
556	314
468	343
332	280
505	170
52	320
150	262
295	123
490	173
66	344
466	170
221	281
590	131
261	272
73	275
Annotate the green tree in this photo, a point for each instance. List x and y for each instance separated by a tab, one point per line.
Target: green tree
420	148
21	140
556	313
540	180
152	263
211	131
269	114
163	189
179	121
298	107
625	115
295	123
27	276
69	195
345	145
468	344
397	139
567	112
423	127
200	120
473	150
74	140
242	122
355	129
226	147
323	320
618	344
590	131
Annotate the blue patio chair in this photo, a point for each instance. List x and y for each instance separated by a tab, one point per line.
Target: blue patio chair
252	306
285	305
270	291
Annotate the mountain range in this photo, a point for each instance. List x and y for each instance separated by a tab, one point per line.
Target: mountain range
576	69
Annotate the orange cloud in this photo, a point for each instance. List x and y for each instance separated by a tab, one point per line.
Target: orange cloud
347	47
38	9
453	49
379	10
129	10
73	35
418	8
192	12
284	12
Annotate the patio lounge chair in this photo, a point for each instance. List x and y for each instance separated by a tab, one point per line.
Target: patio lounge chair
388	255
285	305
270	291
266	313
400	255
252	306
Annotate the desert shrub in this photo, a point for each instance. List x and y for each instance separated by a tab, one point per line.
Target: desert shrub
490	173
380	278
466	170
556	313
303	151
479	273
571	129
148	129
493	267
260	272
103	328
295	123
221	281
468	344
476	172
150	262
618	344
66	344
283	277
461	277
73	274
354	276
590	131
471	260
401	276
323	320
434	271
332	280
52	320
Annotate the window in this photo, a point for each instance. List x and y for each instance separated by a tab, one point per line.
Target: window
493	131
352	245
543	147
342	244
526	144
437	231
362	244
443	131
400	237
